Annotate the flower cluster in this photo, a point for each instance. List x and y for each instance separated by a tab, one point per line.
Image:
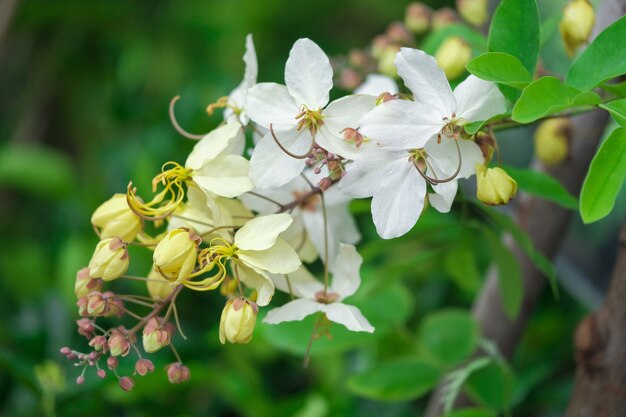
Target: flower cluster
249	227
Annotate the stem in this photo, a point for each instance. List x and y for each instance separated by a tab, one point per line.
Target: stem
508	123
265	198
157	309
325	243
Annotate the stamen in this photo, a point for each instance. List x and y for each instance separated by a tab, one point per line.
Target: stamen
435	181
179	129
293	155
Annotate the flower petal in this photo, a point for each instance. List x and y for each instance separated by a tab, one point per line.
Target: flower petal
426	80
397	206
281	258
228	138
365	176
226	176
258	280
443	157
308	74
346	278
261	233
270	166
271	103
348	316
478	99
250	60
295	310
401	124
300	283
443	197
376	84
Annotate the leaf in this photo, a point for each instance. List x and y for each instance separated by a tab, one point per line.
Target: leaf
37	170
397	380
471	412
501	68
451	336
617	108
515	29
548	95
509	275
507	224
619	89
605	177
491	386
543	185
474	127
548	27
460	264
455	380
603	59
475	39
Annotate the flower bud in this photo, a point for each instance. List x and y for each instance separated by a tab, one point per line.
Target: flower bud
110	259
112	362
96	304
238	321
118	345
126	383
495	186
386	61
158	287
487	145
156	335
352	136
442	18
473	11
177	373
82	304
576	24
144	366
384	97
80	380
350	79
452	56
552	139
85	327
116	219
85	284
397	33
175	255
417	18
99	344
101	373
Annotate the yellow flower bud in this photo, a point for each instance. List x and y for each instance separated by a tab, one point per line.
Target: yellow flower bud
158	287
495	186
175	255
417	18
84	284
156	335
110	259
576	24
386	61
442	18
473	11
238	321
552	141
115	218
452	56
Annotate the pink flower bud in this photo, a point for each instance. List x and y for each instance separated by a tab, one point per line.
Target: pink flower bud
144	366
96	304
156	335
80	380
112	362
118	345
85	327
177	373
99	343
325	183
82	303
65	351
101	373
127	383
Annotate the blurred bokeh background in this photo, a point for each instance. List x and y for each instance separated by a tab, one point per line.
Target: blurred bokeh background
84	90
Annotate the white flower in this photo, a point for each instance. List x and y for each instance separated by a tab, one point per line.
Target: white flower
237	98
216	163
420	134
298	115
346	281
308	218
376	84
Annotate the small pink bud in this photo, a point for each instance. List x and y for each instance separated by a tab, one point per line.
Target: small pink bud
99	343
80	380
85	327
118	345
112	362
96	305
127	383
82	303
144	366
177	373
325	183
65	351
101	373
317	170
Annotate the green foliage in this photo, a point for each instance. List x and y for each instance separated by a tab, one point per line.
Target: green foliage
500	68
471	412
475	39
605	178
509	276
548	95
450	336
491	386
396	380
617	108
603	59
542	185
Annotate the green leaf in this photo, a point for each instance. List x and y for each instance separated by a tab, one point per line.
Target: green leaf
509	275
507	224
491	386
619	89
501	68
543	185
475	39
605	177
471	412
515	29
474	127
548	27
603	59
451	336
548	95
37	170
461	265
397	380
617	108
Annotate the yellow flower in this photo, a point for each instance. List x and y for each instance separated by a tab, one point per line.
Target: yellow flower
158	287
175	255
452	56
576	24
552	140
110	259
115	218
238	321
495	186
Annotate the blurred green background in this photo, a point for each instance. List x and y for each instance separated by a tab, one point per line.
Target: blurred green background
84	90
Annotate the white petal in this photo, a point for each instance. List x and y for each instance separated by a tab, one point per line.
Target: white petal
281	258
252	66
426	80
271	103
300	283
346	278
444	158
443	197
226	176
261	233
376	84
308	74
227	138
478	99
397	206
259	281
295	310
348	316
364	177
401	124
270	166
